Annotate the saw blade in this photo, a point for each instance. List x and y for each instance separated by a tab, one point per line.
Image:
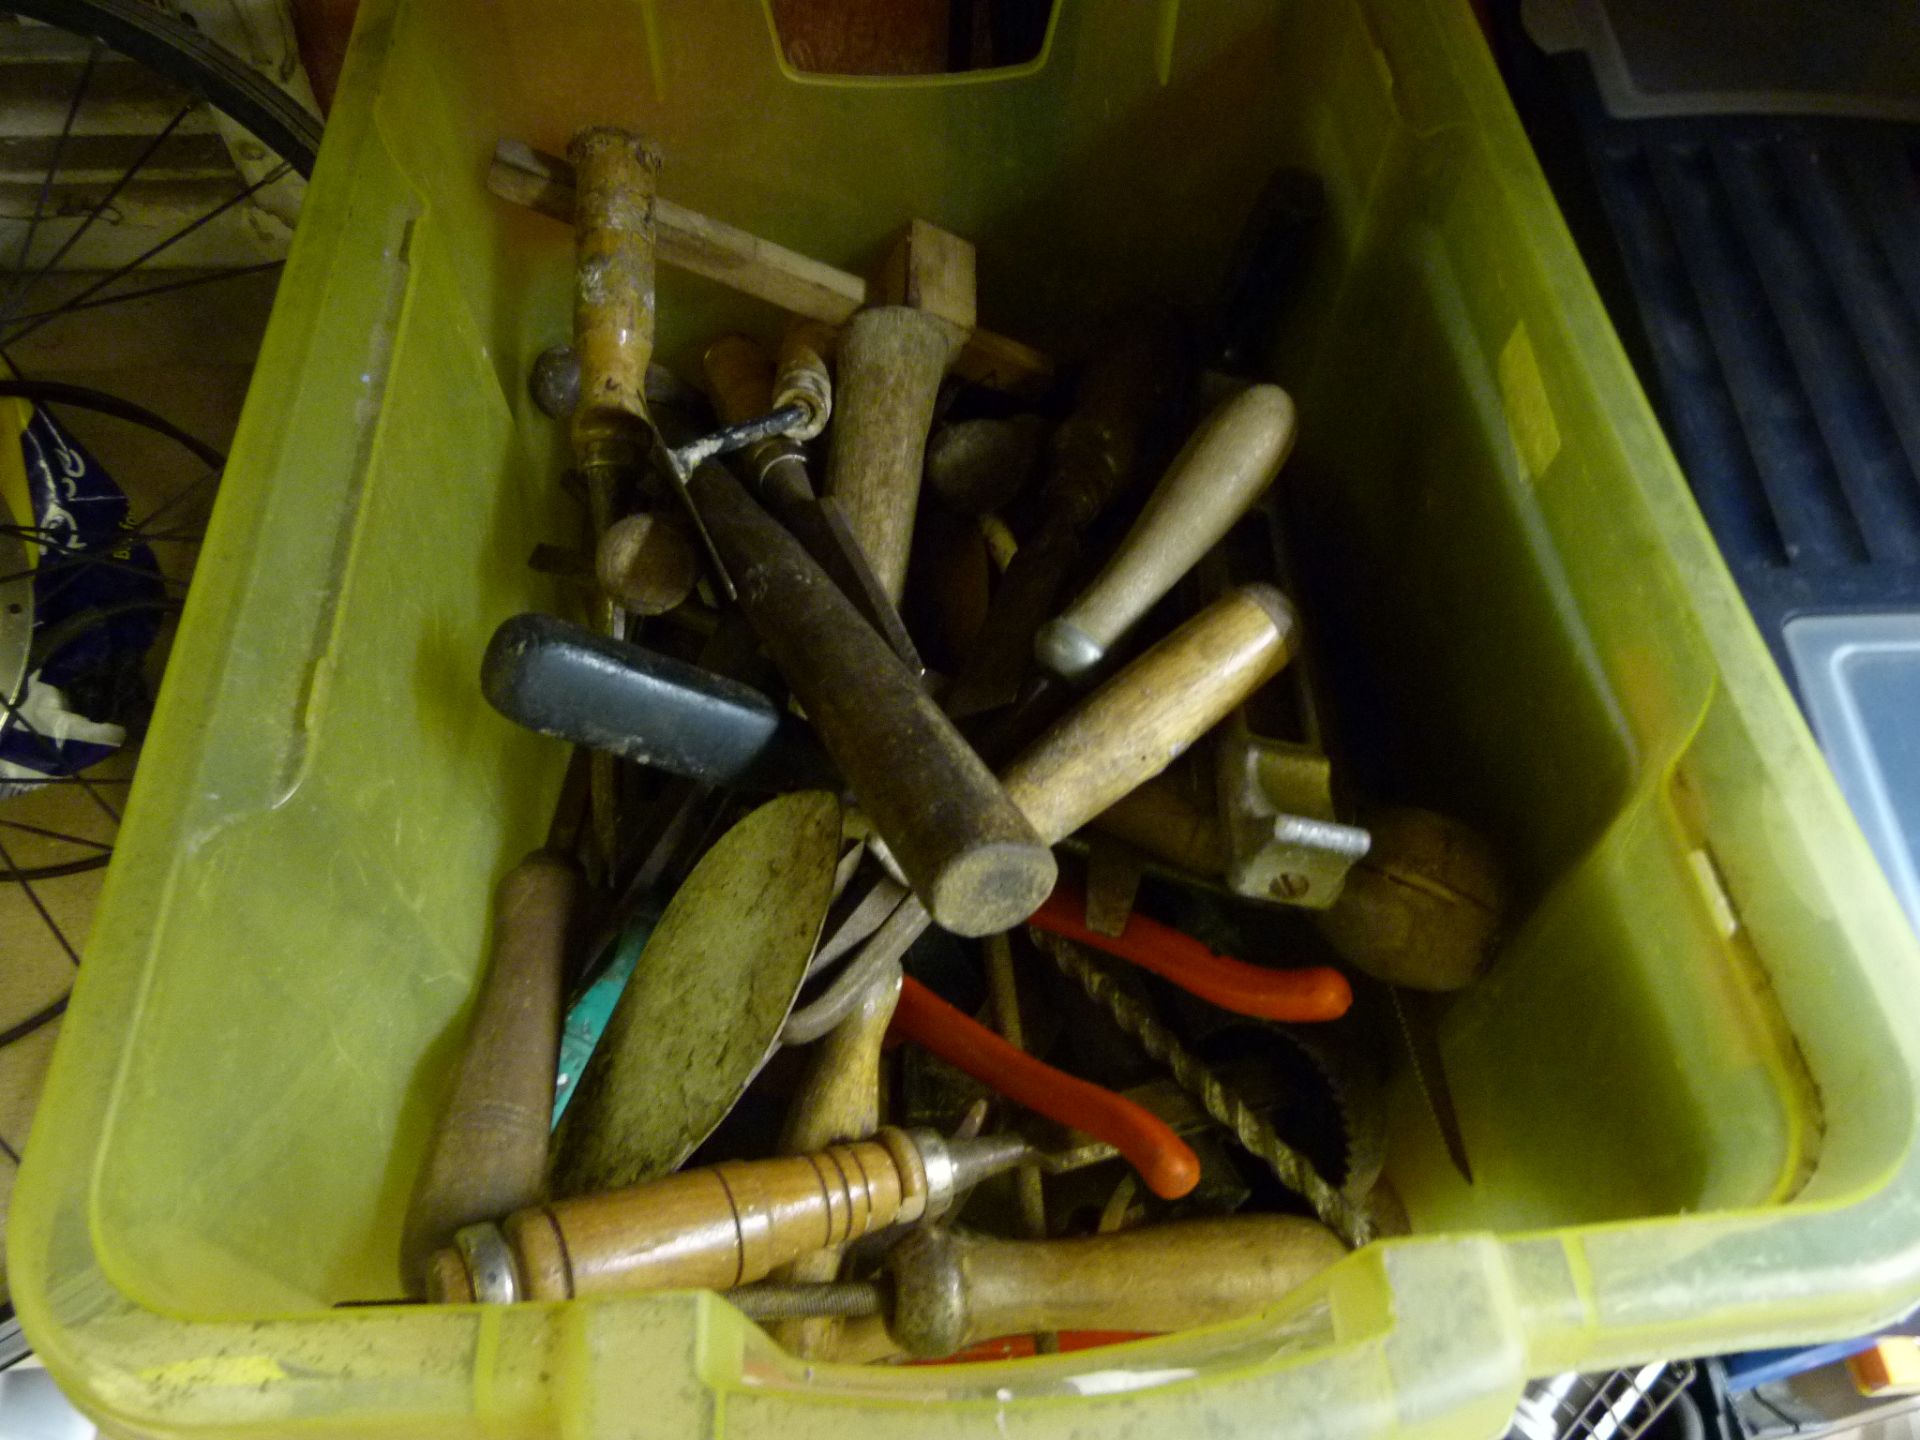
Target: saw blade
1419	1028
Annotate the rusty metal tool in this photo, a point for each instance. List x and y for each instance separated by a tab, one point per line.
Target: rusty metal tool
970	854
1127	393
488	1153
754	266
718	1227
741	380
1289	1166
708	997
1122	735
1419	1027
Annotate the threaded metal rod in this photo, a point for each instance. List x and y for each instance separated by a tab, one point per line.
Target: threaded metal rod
844	1299
1218	1099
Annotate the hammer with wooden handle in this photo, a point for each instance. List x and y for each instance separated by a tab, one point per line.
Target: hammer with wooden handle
962	843
1122	735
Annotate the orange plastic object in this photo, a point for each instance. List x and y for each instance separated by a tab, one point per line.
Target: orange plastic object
1149	1144
1314	992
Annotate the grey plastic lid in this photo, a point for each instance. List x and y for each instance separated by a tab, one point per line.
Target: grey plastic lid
1860	676
1741	57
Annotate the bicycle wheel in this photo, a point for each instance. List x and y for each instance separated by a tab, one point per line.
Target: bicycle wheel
149	181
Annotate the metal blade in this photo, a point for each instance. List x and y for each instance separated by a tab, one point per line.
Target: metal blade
1003	650
1413	1009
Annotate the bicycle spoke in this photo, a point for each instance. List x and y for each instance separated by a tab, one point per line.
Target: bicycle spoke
47	834
33	899
272	176
79	561
53	170
14	715
17	296
33	1022
167	289
42	536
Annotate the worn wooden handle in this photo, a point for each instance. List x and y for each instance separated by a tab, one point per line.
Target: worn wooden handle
647	563
744	262
615	175
969	854
951	1290
891	359
838	1101
739	376
1225	466
1139	722
488	1155
1162	820
715	1228
803	377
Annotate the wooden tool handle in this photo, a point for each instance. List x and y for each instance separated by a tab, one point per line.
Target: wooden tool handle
488	1155
1139	722
802	376
647	563
951	1290
1162	1158
715	1228
1124	394
1225	466
744	262
613	307
891	359
1425	907
838	1101
969	854
1162	820
740	383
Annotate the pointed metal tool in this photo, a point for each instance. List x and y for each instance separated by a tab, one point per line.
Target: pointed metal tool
1419	1027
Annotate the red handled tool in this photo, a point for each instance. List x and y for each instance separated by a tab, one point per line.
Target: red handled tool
1149	1144
1314	992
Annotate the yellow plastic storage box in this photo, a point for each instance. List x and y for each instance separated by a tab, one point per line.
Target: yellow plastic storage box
1689	1085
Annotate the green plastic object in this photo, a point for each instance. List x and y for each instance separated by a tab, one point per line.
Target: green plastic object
1688	1085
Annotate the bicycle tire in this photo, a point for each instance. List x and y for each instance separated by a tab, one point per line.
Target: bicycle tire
172	48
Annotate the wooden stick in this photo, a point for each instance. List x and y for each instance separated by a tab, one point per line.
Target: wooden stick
969	853
740	260
951	1290
488	1155
838	1101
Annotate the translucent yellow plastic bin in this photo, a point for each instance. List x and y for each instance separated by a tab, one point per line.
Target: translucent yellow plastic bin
1689	1085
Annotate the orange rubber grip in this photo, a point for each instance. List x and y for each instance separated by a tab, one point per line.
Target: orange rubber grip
1149	1144
1314	992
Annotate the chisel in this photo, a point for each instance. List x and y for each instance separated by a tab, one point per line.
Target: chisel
1129	390
715	1227
741	381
